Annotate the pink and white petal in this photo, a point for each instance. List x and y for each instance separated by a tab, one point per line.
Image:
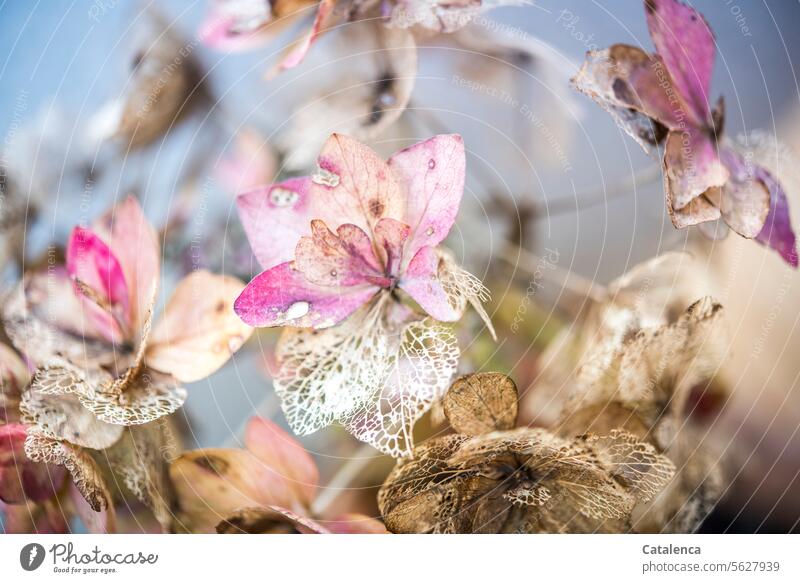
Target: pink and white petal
685	43
198	331
691	167
344	259
700	210
21	479
390	239
282	296
278	450
431	173
744	201
354	185
299	49
134	242
275	217
99	281
777	232
421	281
235	26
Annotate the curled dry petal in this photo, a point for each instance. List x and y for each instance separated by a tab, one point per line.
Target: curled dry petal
481	403
198	331
269	520
86	475
297	51
23	479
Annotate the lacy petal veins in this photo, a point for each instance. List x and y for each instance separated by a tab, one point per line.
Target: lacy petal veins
348	252
665	97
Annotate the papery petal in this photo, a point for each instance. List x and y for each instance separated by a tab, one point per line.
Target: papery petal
685	43
198	331
777	231
134	243
100	281
390	239
744	200
421	281
298	49
275	217
236	25
269	520
691	167
354	185
285	455
282	296
20	478
432	175
342	259
96	522
633	87
212	484
14	377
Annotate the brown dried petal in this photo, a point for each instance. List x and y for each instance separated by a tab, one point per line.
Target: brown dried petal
268	520
481	402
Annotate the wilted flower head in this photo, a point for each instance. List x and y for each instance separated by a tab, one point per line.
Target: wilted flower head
268	487
665	97
361	352
517	480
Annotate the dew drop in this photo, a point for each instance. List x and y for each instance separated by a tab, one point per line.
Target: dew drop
325	177
283	197
431	163
429	231
297	310
334	273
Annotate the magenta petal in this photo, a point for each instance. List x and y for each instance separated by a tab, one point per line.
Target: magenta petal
390	237
685	43
345	258
92	262
777	232
219	31
21	479
421	281
282	296
432	176
274	218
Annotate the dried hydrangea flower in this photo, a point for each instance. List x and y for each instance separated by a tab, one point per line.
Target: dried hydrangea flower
358	351
522	480
665	97
267	487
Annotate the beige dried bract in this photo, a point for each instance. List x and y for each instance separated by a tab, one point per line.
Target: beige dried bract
481	402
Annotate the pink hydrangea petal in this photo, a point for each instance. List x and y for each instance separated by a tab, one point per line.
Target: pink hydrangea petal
345	258
421	281
218	31
354	185
691	166
390	238
92	262
744	201
299	49
285	455
777	232
275	217
134	242
685	43
282	296
431	173
20	479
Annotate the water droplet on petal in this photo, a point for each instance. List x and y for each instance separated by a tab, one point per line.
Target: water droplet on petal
431	163
429	231
283	196
325	177
334	273
297	310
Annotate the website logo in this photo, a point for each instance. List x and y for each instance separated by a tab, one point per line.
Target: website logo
31	556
